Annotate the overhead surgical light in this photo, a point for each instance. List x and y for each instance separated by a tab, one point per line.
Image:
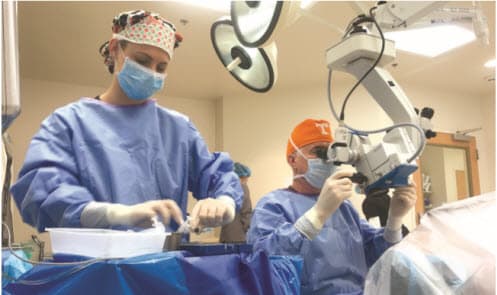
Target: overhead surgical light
256	22
255	68
239	43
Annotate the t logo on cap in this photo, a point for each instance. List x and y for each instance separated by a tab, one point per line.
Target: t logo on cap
323	127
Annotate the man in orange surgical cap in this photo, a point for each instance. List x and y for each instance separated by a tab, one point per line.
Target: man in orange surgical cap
313	218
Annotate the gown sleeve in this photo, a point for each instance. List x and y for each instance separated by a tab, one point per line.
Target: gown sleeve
48	191
271	231
211	174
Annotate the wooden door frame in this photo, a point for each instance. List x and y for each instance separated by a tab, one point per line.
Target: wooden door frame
447	140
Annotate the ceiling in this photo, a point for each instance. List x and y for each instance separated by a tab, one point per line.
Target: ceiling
59	41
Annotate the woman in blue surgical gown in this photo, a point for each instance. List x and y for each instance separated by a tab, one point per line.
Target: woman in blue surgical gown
120	159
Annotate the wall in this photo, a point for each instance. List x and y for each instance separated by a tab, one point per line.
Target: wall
40	98
256	126
486	144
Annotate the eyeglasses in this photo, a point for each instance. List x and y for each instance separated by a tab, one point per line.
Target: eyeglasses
320	152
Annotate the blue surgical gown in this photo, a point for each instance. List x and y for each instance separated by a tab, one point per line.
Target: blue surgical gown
336	260
93	151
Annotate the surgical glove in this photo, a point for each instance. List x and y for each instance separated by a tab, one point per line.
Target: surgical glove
403	199
97	214
212	212
336	189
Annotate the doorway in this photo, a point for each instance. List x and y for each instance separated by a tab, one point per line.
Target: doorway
448	171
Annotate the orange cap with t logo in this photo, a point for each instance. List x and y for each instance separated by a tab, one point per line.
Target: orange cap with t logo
307	132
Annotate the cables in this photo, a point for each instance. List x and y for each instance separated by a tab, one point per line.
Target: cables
386	129
359	20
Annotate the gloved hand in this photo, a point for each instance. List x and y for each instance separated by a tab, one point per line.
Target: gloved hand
142	215
101	214
213	212
336	189
403	199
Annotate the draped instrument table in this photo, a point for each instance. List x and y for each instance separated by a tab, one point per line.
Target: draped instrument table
175	272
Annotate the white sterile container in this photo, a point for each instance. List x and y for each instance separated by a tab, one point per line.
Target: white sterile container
106	243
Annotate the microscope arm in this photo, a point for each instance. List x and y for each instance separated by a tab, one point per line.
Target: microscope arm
388	94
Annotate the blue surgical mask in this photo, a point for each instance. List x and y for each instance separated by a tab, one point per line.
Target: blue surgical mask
139	82
318	170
